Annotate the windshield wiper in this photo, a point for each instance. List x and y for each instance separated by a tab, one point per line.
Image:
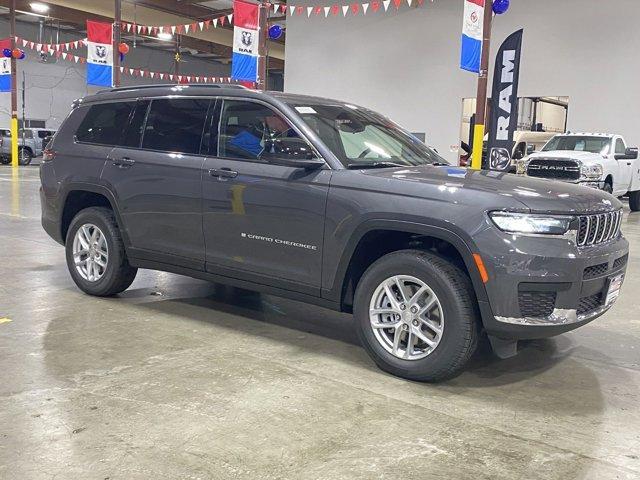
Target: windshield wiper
358	165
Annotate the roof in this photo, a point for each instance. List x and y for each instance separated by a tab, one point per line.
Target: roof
586	134
162	90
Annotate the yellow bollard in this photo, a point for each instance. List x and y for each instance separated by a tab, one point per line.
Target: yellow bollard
478	140
14	142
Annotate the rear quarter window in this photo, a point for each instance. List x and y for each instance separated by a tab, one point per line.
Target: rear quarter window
105	123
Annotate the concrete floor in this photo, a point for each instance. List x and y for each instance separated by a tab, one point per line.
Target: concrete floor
180	379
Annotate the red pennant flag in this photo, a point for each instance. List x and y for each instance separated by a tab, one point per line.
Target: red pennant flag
194	25
355	7
222	19
420	2
317	10
375	6
207	23
397	3
299	10
335	9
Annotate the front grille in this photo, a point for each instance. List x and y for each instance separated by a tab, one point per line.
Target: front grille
555	168
536	304
620	262
596	270
590	303
599	228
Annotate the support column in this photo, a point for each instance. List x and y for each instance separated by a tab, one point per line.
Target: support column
14	89
117	19
263	33
483	80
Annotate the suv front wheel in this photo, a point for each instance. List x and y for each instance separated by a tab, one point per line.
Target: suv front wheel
416	315
95	253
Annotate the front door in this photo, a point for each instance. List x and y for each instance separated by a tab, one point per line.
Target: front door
625	169
261	219
158	181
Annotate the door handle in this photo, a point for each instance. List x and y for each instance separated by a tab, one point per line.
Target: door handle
223	173
124	162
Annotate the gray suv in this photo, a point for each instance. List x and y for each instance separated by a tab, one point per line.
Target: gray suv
331	204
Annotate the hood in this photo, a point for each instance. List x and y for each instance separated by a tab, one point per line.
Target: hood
489	190
567	154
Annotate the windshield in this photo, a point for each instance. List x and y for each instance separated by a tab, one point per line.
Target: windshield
362	138
577	143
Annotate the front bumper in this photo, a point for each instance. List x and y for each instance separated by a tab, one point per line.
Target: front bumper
545	286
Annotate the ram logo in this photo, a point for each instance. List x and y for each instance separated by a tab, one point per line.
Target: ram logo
247	39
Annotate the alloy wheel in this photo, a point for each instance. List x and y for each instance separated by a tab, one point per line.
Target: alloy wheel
406	317
90	252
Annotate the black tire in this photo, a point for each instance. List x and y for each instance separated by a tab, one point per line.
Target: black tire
118	275
455	292
634	201
608	188
5	160
24	156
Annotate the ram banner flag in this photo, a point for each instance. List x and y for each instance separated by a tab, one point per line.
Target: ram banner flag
504	103
244	62
5	67
99	54
472	26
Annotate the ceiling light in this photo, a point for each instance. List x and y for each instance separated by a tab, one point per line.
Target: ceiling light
164	36
39	7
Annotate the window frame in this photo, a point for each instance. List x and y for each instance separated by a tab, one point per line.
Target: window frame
275	110
615	147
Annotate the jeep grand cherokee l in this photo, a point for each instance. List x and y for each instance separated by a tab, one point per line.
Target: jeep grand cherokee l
332	204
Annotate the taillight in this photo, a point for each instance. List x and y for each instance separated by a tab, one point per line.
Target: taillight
48	155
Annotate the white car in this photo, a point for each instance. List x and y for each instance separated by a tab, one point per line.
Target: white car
598	160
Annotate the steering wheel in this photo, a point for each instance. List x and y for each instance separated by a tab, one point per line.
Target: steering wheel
364	153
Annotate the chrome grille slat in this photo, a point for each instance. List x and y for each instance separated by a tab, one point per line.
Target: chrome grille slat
598	228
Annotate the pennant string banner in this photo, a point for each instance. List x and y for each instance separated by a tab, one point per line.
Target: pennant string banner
342	10
182	28
47	47
139	72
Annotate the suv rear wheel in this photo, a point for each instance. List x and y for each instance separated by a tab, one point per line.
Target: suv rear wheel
634	201
416	315
24	156
95	253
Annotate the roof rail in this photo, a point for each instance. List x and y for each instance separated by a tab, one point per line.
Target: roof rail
161	85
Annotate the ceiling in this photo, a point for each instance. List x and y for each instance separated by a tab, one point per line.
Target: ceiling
213	43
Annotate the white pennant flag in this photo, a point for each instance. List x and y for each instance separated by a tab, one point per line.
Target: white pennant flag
171	77
139	28
24	43
386	4
326	11
38	46
131	71
345	9
365	7
276	6
409	2
161	76
309	10
186	28
201	25
121	69
230	17
215	23
173	29
152	74
292	8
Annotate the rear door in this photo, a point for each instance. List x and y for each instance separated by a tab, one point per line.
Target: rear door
261	219
156	177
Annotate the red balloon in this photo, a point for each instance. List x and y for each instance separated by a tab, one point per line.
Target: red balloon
123	48
16	53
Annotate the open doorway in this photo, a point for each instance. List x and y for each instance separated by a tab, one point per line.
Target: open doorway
539	119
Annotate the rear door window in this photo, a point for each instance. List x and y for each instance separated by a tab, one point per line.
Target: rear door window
175	125
105	124
133	135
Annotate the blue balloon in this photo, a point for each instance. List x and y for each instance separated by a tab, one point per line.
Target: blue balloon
275	32
7	52
22	55
500	6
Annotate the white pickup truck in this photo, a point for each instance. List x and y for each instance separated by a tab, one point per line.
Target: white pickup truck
598	160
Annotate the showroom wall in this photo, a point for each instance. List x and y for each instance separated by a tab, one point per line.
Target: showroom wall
52	86
405	63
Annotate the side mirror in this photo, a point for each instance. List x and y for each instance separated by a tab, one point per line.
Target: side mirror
631	153
518	155
291	152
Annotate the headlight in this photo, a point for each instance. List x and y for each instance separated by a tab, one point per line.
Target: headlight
525	223
591	172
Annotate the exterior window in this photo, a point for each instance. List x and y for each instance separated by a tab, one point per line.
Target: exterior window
133	135
252	131
105	123
175	125
620	148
